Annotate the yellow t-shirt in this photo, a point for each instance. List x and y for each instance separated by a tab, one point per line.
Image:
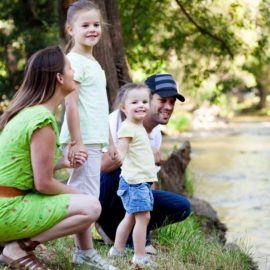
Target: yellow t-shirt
139	163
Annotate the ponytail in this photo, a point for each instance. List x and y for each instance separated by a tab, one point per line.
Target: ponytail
70	44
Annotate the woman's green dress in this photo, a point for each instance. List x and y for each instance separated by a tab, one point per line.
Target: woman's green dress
28	215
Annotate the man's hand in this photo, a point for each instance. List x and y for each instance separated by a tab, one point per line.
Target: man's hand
112	151
108	165
157	156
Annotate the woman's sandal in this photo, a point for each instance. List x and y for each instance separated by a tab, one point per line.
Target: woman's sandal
30	261
27	244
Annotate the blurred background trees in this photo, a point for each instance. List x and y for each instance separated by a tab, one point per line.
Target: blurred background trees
218	50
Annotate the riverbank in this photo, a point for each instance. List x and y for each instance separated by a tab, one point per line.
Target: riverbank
182	246
230	169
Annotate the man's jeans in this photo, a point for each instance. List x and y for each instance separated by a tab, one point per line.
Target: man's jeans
168	207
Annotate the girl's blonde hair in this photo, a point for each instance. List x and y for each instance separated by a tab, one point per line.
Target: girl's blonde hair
72	11
39	83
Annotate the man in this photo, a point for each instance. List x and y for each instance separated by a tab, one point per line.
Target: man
168	207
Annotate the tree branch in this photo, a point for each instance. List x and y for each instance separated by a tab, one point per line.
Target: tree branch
203	30
31	14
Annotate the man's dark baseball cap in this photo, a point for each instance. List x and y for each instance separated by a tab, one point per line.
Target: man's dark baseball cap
164	85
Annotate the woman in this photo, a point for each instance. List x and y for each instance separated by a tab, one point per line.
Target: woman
34	206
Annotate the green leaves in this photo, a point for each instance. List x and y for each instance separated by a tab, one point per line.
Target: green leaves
204	38
26	26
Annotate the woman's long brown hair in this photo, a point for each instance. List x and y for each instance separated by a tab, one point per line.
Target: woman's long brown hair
39	81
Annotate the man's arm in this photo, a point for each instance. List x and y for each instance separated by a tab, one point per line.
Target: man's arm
157	156
108	165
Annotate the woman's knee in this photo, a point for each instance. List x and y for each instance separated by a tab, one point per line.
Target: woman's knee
93	208
85	205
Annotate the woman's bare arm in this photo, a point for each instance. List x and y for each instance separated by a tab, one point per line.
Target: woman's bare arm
42	148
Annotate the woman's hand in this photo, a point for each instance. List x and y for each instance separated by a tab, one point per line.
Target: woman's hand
79	158
76	154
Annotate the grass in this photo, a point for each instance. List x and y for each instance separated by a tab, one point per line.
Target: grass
186	243
188	186
180	246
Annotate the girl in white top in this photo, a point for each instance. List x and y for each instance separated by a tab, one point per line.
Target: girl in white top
86	115
137	172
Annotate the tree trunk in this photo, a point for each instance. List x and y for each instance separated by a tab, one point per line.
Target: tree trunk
62	15
171	174
262	96
109	52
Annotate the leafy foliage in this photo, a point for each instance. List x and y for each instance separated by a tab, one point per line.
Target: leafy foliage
197	40
26	26
224	44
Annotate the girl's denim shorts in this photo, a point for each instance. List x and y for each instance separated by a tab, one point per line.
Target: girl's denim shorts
135	197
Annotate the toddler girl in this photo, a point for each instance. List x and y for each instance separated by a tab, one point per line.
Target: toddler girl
138	172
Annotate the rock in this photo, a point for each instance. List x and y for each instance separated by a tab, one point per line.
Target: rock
211	225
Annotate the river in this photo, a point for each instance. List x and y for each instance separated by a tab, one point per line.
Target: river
230	168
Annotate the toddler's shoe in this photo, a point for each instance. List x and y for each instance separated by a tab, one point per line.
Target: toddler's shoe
144	261
150	250
113	252
91	258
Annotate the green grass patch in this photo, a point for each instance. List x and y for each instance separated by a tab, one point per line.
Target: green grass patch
180	246
188	186
186	243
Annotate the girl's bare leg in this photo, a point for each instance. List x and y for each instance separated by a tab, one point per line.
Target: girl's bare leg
139	232
123	231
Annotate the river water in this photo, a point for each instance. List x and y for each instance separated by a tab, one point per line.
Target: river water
230	168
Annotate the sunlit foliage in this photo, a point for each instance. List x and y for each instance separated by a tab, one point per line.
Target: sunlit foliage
211	46
197	41
25	26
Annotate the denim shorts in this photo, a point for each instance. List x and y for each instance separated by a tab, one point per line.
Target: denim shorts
135	197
